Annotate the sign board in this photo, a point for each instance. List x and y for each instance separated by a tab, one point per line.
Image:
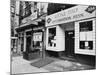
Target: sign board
33	16
37	36
30	18
72	14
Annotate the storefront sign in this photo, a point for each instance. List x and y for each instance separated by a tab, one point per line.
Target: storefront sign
30	18
71	14
37	36
33	16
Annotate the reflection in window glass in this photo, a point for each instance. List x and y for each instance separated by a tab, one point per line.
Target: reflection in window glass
86	26
86	45
52	37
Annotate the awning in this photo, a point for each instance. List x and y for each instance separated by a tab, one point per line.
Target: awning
31	24
28	23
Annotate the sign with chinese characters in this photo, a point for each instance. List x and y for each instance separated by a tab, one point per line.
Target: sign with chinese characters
37	36
72	14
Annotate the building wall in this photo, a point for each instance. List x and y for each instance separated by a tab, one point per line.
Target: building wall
60	38
42	7
16	18
56	7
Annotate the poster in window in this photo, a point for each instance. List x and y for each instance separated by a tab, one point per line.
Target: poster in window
37	36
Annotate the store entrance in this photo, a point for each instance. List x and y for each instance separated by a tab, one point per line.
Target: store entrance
28	41
69	43
28	44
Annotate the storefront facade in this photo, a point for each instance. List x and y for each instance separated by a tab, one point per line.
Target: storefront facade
31	28
72	31
30	40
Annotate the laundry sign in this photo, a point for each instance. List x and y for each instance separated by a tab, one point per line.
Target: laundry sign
72	14
37	36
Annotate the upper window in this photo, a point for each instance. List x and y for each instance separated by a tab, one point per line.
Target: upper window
86	26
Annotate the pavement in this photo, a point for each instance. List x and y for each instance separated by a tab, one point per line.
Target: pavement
20	65
66	65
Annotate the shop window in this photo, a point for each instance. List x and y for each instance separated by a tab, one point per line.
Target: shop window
52	37
86	45
86	26
37	39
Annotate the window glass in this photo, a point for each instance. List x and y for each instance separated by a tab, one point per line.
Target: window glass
85	35
86	45
86	26
52	37
37	39
36	43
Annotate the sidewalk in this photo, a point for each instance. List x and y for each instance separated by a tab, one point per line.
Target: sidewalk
66	65
20	65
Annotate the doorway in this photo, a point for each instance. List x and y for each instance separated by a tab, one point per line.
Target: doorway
69	43
28	44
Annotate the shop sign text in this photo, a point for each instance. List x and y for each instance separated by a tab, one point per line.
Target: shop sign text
72	14
69	18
